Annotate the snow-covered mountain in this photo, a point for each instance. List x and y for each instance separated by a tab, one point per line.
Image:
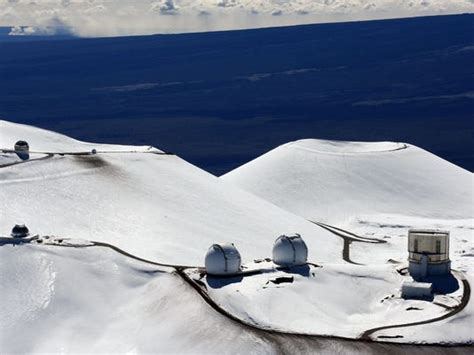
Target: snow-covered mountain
156	206
334	181
120	17
375	189
96	301
62	292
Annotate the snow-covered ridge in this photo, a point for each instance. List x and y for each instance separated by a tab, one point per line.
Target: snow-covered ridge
117	262
337	181
154	205
41	140
119	17
377	190
344	147
96	301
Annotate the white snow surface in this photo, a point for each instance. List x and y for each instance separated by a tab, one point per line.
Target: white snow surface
93	300
156	206
41	140
377	190
316	301
456	329
334	181
159	207
123	17
63	300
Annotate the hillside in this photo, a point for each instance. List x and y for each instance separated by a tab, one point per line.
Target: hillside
115	258
156	206
96	301
335	181
376	190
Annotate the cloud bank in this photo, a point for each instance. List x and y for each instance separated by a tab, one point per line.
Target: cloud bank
97	18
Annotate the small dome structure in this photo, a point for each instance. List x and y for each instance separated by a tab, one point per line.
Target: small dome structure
222	259
22	149
290	250
20	231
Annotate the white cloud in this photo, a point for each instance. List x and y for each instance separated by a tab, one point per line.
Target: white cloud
166	7
124	17
21	31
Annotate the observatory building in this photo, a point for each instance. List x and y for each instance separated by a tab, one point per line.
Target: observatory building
428	253
20	231
22	149
223	259
290	251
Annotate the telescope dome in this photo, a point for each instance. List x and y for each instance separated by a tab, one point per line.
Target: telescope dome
20	231
290	250
222	259
22	150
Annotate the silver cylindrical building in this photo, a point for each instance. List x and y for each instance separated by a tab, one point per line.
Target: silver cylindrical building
428	253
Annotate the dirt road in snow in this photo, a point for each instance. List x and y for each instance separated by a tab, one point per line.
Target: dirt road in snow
49	155
18	162
348	238
367	335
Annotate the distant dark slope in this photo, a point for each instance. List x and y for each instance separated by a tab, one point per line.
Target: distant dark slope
220	99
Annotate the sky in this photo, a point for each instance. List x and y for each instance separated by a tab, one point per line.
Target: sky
103	18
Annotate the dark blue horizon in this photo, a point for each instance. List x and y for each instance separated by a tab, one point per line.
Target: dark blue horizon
220	99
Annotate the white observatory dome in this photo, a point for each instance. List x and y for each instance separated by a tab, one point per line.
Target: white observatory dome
20	231
22	150
290	251
222	259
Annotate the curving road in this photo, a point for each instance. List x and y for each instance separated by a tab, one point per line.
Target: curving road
200	288
49	155
89	152
18	162
120	251
453	311
351	235
348	238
